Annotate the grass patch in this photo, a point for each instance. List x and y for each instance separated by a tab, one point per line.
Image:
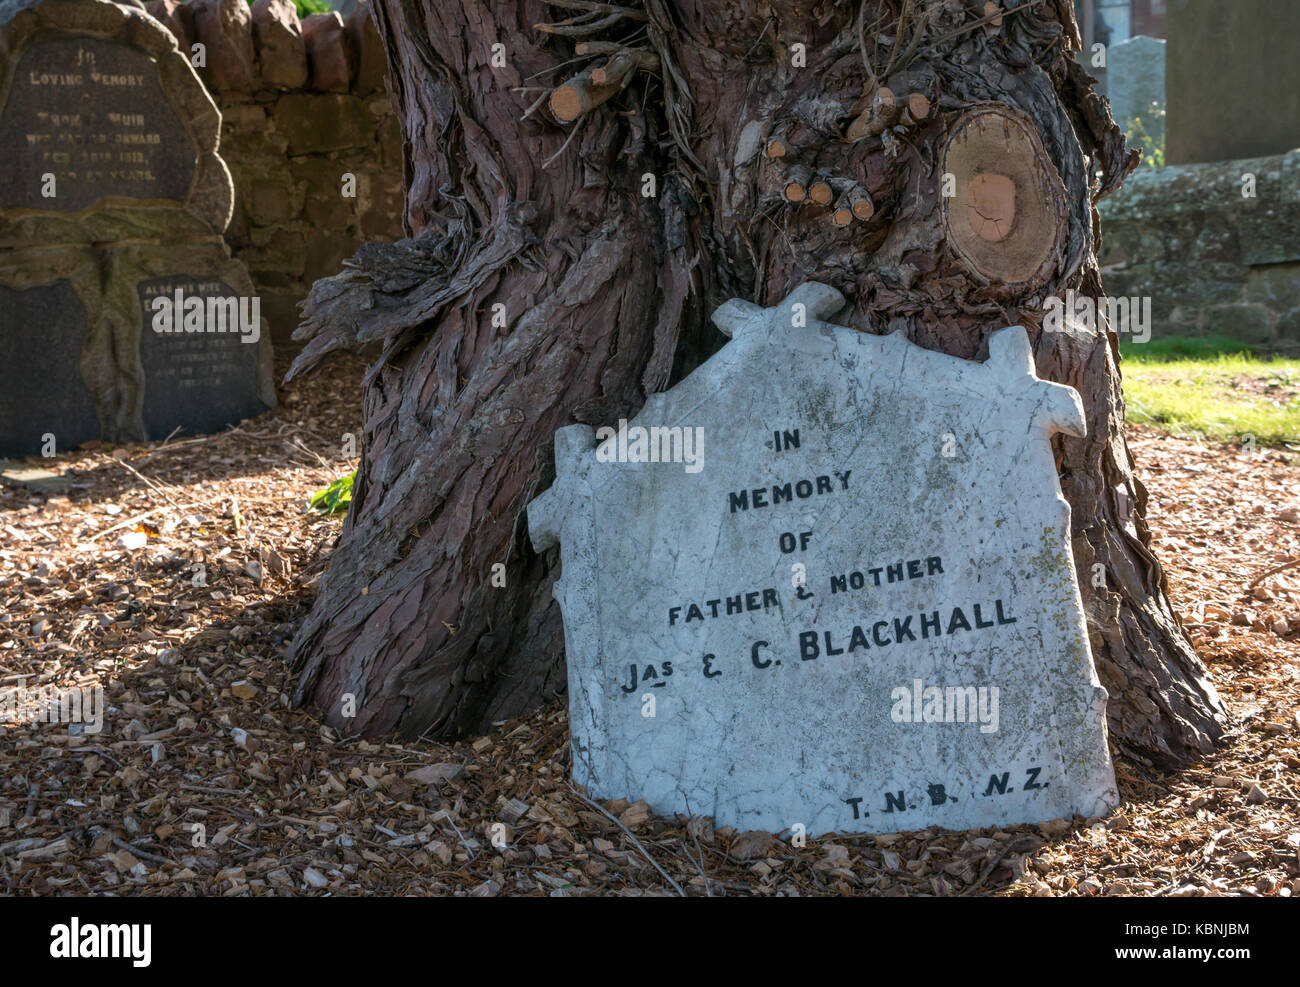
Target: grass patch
1212	386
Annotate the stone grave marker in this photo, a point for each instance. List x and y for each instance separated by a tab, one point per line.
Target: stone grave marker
93	113
1135	79
97	97
112	187
197	381
826	581
42	328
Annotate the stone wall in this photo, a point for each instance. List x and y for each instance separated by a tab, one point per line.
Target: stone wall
1213	261
303	105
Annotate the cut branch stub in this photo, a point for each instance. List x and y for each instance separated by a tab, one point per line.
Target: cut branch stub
862	206
577	96
882	112
819	191
587	90
1007	221
915	110
796	184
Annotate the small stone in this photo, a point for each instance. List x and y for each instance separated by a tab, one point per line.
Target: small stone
488	889
1281	627
239	736
1256	795
1054	827
315	878
753	844
701	828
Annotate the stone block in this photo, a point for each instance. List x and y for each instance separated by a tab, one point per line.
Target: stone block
372	61
1247	322
330	61
281	52
225	28
313	123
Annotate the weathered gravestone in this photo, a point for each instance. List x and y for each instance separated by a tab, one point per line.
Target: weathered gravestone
198	381
848	604
49	320
1135	84
112	183
107	131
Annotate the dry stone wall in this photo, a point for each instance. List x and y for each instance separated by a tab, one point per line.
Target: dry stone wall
1215	246
303	107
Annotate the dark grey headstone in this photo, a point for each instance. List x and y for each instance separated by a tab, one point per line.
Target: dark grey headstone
1232	80
41	333
91	112
196	381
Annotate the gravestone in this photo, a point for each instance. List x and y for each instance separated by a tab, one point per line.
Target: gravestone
1232	80
98	108
112	180
1135	82
49	321
832	588
197	381
93	113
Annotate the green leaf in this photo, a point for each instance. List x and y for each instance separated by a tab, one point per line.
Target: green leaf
335	498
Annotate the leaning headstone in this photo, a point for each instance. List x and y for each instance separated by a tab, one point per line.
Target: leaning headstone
1135	83
112	177
826	581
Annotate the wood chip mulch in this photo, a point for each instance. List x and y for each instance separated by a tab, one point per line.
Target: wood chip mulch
204	782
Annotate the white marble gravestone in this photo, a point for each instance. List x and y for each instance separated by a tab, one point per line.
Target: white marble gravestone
757	631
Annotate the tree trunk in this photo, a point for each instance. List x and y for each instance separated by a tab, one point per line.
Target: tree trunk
560	272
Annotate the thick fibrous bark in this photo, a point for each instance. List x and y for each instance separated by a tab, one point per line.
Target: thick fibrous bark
606	283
